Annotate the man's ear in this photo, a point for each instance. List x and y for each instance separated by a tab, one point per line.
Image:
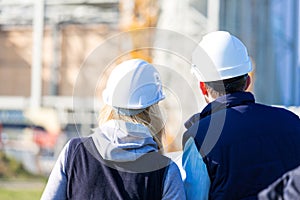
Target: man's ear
248	82
203	88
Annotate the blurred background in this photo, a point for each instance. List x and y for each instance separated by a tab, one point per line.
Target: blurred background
51	52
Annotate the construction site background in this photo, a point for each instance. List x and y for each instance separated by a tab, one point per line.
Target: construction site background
74	29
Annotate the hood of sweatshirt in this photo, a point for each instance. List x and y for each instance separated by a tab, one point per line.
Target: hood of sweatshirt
121	141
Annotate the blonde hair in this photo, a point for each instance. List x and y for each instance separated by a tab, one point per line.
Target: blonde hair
151	117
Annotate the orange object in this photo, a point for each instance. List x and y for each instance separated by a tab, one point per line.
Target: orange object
44	139
139	14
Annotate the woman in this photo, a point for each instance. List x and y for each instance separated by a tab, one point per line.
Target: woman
122	158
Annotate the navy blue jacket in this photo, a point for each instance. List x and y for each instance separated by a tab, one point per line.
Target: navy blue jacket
246	146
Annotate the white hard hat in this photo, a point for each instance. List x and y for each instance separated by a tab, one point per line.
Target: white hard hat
220	56
133	85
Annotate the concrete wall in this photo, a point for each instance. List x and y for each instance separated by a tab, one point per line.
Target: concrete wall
270	30
64	52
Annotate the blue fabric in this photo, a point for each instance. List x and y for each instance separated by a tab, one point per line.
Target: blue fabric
246	146
197	182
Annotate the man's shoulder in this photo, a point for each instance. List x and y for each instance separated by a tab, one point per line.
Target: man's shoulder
277	111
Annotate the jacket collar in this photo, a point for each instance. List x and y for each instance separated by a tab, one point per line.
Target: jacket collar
223	102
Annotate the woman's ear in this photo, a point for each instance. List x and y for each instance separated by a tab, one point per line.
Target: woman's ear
203	88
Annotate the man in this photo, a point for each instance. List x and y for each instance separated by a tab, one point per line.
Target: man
245	145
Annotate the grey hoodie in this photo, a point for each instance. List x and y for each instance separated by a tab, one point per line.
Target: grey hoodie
116	141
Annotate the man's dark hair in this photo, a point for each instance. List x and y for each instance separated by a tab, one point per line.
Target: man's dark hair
227	86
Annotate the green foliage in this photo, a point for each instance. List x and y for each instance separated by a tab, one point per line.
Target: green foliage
10	168
16	183
21	194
